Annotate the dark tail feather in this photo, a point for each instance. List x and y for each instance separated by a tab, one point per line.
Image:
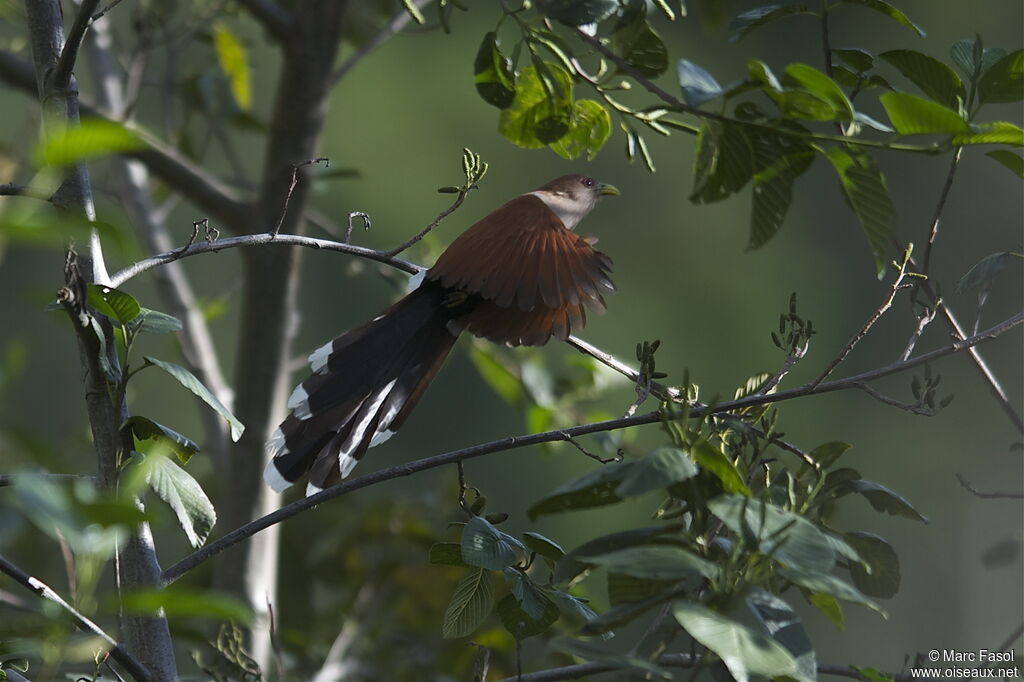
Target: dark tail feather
365	384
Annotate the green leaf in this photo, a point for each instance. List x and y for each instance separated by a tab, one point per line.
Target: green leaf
446	554
580	12
641	47
521	624
147	429
570	566
983	272
826	454
573	608
857	59
913	115
111	371
817	581
485	546
154	322
746	22
625	612
698	85
884	500
743	651
889	11
653	562
935	79
965	54
721	467
1003	82
829	606
658	469
108	513
496	375
1012	161
493	73
783	625
92	139
866	193
600	653
595	489
19	664
183	602
823	87
994	132
723	163
538	115
189	381
120	307
590	125
469	606
778	163
182	493
884	579
233	61
786	536
547	548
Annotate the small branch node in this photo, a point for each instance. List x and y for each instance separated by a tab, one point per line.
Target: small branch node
352	216
603	460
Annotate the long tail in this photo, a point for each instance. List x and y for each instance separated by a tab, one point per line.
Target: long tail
364	385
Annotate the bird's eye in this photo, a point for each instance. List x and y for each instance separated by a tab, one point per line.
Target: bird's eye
587	182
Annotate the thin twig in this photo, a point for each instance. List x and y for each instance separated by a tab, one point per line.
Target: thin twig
400	20
603	460
916	408
940	205
924	318
352	216
291	187
243	532
794	356
43	591
987	496
60	77
463	192
663	392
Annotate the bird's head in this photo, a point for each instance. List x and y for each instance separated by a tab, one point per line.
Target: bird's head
572	197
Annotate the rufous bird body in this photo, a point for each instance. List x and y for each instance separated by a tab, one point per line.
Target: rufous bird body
519	276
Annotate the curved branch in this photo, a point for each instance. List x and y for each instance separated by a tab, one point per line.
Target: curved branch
515	442
44	591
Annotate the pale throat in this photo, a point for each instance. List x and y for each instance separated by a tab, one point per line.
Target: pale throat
570	211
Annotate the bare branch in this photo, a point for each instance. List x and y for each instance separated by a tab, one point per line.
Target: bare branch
60	77
987	496
291	186
663	392
933	232
794	356
13	189
43	591
916	408
278	21
924	318
400	20
243	532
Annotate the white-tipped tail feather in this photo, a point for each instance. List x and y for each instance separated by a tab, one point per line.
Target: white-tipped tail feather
298	402
416	280
318	358
274	478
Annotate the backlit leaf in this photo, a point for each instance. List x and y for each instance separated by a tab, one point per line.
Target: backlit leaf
1003	82
866	193
913	115
233	61
935	79
183	494
91	139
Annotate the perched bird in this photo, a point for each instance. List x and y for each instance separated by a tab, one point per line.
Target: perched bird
518	277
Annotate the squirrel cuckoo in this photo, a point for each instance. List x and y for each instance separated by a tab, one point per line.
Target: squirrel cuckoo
518	277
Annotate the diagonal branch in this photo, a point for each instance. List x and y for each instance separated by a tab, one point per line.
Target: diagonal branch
514	442
278	21
44	591
60	77
400	20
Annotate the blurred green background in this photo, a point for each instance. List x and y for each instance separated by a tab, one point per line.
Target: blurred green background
401	119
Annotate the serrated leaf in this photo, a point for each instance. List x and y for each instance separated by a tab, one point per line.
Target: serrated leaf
485	546
595	489
469	606
866	193
182	602
658	469
589	127
721	467
723	163
189	381
743	651
493	73
993	132
829	606
783	625
913	115
889	11
653	562
983	272
119	306
93	138
698	85
183	494
817	581
1012	161
446	554
744	23
786	536
1003	82
935	79
884	579
778	163
233	60
821	86
155	322
545	547
147	429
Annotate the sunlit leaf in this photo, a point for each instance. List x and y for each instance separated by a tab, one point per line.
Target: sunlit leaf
866	193
119	306
233	61
829	606
189	381
580	12
1003	82
590	125
822	86
538	115
913	115
698	85
485	546
92	139
935	79
183	494
714	461
994	132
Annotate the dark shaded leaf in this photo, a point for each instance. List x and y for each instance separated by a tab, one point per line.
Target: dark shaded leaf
884	579
595	489
1012	161
147	429
579	12
485	546
155	322
746	22
857	59
778	163
783	625
890	11
653	562
866	193
446	554
1003	82
935	79
817	581
983	272
570	566
641	47
543	546
520	623
189	381
598	652
658	469
493	73
884	500
721	467
469	606
624	613
573	608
